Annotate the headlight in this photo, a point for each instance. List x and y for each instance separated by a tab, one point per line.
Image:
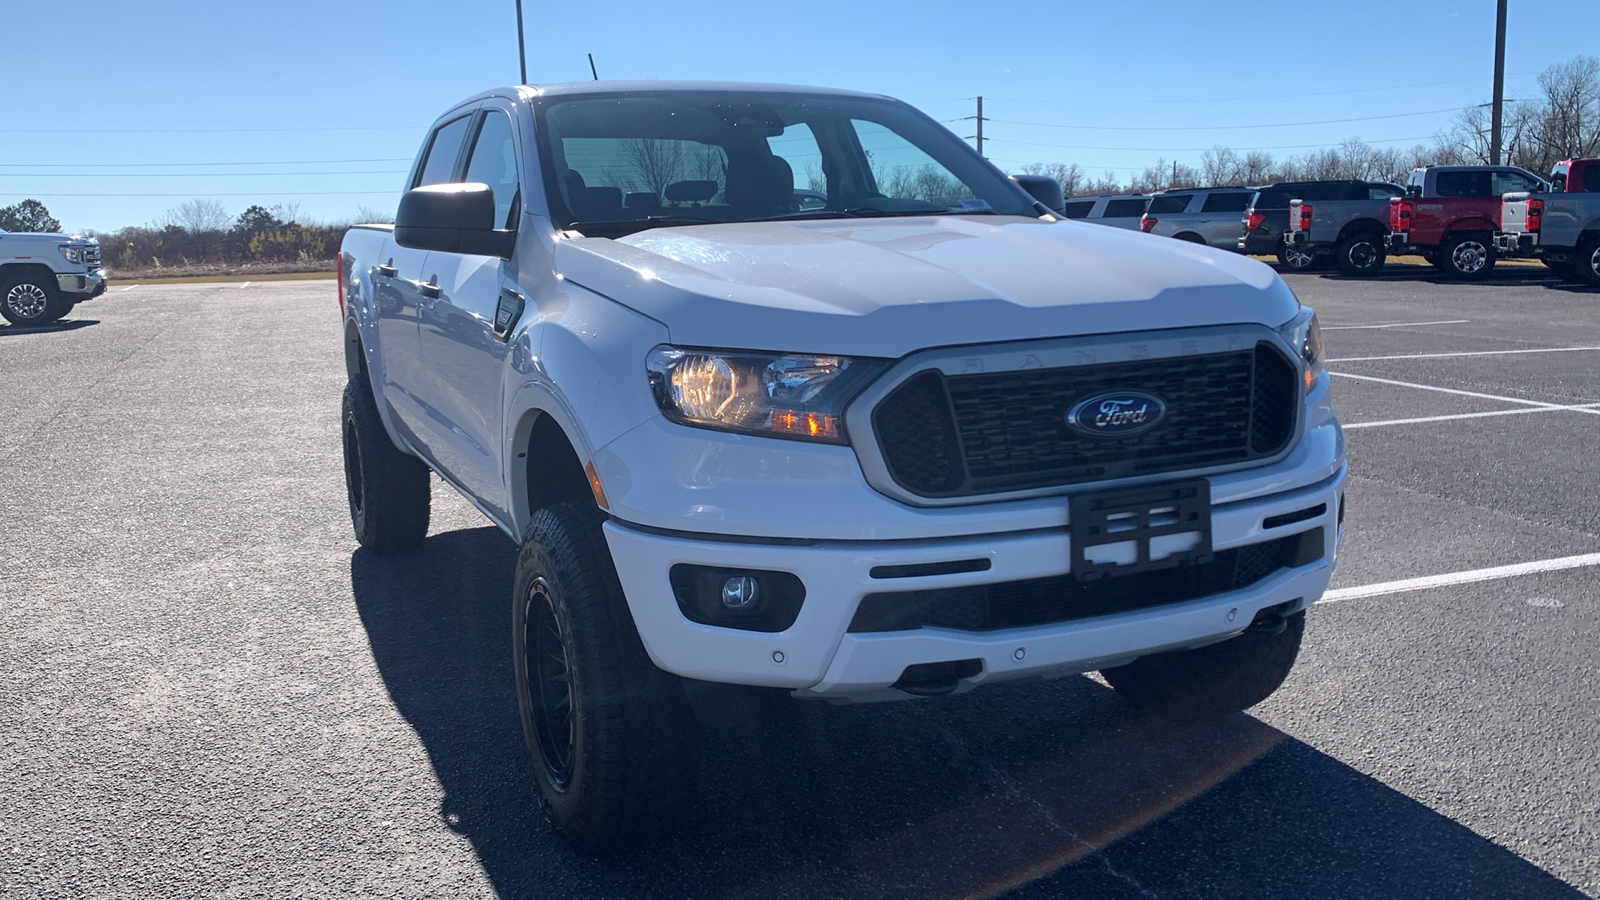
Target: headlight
73	254
1305	335
780	395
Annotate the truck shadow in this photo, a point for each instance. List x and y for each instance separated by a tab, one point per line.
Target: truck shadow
63	325
1017	787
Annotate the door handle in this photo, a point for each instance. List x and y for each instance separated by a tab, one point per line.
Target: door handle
387	270
429	289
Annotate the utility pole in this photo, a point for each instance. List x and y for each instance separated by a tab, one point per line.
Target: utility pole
1498	117
980	126
1174	182
522	53
979	117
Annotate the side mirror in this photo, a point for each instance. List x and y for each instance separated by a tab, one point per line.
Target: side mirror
1044	189
453	218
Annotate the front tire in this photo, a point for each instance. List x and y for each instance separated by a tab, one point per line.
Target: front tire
1211	681
388	489
614	745
1468	256
1361	255
31	299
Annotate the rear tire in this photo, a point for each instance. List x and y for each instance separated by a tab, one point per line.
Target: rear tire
1586	266
614	744
1467	256
388	489
32	299
1296	259
1361	255
1214	680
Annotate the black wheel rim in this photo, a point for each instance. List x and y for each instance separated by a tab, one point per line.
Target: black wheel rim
550	684
1363	255
352	466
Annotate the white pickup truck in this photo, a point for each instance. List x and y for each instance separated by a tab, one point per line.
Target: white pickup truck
42	276
922	438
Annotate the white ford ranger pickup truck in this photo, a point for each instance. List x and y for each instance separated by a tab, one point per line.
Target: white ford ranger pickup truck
920	438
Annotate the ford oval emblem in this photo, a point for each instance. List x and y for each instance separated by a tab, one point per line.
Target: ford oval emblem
1117	414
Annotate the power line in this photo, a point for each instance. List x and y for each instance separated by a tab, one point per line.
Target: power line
1198	149
194	174
1426	112
203	130
244	194
264	162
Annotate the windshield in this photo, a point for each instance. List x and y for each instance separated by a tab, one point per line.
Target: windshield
619	163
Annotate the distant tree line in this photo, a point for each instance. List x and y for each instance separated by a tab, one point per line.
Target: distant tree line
1562	122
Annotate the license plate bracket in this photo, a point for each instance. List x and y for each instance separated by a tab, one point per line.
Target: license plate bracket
1143	529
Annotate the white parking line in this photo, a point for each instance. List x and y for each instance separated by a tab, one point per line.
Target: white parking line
129	288
243	286
1469	353
1396	325
1469	577
1477	415
1585	408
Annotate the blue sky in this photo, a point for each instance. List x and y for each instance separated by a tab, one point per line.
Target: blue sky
346	89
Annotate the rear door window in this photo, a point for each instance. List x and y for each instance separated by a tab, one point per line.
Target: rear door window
1078	210
1167	205
1277	198
1230	202
1125	209
443	151
1463	184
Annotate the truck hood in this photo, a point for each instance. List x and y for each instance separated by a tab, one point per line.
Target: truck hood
889	287
58	238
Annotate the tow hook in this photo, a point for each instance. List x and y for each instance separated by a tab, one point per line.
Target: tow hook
1273	619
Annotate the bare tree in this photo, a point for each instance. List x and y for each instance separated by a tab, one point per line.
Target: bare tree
657	163
1566	124
1068	175
200	216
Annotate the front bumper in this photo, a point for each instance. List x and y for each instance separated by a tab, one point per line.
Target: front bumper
817	656
84	286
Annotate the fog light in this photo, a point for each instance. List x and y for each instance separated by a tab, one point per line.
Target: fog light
740	592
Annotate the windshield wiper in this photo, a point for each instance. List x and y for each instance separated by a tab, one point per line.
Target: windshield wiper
629	226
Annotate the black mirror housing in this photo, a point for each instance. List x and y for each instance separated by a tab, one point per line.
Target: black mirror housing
1044	189
452	218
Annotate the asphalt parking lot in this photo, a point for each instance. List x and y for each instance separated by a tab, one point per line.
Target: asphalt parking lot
208	691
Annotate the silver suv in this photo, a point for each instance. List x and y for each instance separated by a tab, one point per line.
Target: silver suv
1202	215
1116	210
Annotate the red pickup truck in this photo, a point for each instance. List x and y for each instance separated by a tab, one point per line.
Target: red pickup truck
1450	215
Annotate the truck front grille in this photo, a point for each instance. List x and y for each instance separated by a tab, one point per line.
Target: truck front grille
964	435
1062	598
91	257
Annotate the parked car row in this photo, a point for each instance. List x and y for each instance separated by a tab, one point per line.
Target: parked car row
1459	218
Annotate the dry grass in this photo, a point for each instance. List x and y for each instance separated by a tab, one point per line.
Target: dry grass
224	272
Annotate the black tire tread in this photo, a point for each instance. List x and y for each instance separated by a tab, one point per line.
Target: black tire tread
397	493
1348	268
1211	681
1583	270
637	768
56	305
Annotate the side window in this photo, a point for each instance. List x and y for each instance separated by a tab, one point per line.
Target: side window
1227	203
1463	184
1506	182
1170	205
798	147
904	172
494	162
1125	209
1078	210
442	152
1381	192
